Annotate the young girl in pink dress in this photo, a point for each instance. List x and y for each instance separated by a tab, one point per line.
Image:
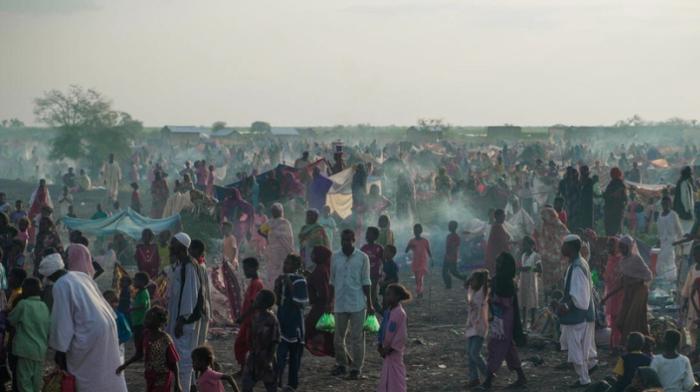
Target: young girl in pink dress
421	254
392	340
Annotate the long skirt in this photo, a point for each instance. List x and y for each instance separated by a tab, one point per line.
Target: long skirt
633	313
393	376
319	343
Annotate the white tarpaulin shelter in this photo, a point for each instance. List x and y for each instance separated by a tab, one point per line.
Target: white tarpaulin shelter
339	197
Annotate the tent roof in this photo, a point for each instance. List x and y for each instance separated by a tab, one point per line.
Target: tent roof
127	222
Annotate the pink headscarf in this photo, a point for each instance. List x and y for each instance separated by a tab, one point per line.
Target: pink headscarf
79	259
633	265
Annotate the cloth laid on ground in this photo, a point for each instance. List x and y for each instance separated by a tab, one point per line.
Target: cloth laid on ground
127	222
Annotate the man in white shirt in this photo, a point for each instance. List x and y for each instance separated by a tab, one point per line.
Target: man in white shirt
350	282
83	329
186	306
577	313
112	175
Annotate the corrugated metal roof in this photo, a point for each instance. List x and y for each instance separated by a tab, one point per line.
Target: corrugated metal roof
284	131
224	132
187	129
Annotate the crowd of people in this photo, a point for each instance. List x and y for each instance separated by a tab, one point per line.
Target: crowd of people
520	232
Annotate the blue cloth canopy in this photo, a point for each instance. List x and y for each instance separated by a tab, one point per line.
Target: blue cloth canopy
127	222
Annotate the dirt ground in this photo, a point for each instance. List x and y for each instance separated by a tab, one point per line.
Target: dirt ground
436	354
435	358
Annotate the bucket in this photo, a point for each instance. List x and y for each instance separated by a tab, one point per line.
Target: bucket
653	258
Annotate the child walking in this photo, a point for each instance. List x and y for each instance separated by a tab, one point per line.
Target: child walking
292	296
31	321
160	356
375	252
449	264
477	323
386	236
242	344
229	264
390	272
421	254
123	329
141	304
392	341
530	267
208	379
264	337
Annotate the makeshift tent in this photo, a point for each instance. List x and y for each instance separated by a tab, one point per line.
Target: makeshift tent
127	222
339	197
220	192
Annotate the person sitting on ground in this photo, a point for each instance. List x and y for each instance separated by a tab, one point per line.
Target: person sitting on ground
628	364
674	369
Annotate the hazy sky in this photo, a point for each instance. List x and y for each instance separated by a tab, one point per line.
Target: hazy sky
327	62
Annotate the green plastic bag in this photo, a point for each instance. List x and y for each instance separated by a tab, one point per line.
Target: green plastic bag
326	323
371	324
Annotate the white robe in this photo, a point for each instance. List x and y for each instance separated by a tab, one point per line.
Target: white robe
112	174
522	225
189	339
579	339
669	230
83	325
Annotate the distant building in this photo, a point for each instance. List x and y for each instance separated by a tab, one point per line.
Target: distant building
226	136
185	134
504	132
284	132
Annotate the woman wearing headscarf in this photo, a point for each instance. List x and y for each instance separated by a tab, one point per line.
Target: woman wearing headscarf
319	343
635	279
239	212
505	327
612	279
549	237
615	197
311	235
683	198
280	242
79	259
159	194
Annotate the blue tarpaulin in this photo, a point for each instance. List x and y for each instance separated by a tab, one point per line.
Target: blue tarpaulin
220	192
127	222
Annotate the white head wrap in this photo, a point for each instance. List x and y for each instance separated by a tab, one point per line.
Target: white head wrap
184	239
572	238
51	264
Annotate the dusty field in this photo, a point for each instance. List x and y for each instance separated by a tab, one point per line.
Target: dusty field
436	355
435	359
